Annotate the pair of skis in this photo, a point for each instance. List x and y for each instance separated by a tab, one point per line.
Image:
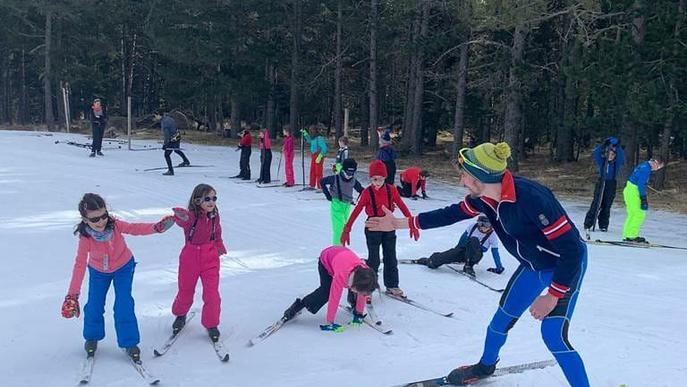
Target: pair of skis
493	289
187	166
86	372
634	244
218	346
515	369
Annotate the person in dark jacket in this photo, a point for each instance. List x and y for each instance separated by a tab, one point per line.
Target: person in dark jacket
535	229
245	147
387	154
609	158
338	189
98	124
172	142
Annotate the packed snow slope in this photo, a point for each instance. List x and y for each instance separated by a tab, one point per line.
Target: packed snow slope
627	325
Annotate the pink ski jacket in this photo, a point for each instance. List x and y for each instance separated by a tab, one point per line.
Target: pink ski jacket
340	262
108	256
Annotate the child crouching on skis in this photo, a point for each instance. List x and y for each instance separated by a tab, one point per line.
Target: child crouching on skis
199	258
339	268
103	250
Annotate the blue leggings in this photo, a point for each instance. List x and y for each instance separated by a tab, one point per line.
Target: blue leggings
523	289
124	316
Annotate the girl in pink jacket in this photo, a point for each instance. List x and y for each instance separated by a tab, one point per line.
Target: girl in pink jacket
103	250
287	153
199	258
339	268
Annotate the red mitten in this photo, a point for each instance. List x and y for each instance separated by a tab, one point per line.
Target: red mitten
164	224
345	236
414	231
70	306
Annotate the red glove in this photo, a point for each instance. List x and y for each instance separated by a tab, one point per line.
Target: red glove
346	236
164	224
221	250
70	306
414	231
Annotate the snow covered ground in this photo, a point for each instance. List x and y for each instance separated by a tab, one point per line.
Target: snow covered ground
627	326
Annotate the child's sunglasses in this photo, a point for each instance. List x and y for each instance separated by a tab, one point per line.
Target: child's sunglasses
97	219
206	199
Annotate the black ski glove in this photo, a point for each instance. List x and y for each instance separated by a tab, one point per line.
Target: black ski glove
645	203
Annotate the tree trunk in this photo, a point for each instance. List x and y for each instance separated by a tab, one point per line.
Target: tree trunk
408	128
420	82
269	111
235	119
132	64
122	55
671	115
61	117
47	89
296	30
338	111
23	99
370	134
511	124
629	124
458	126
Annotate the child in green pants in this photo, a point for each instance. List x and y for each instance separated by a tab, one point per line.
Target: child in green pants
338	189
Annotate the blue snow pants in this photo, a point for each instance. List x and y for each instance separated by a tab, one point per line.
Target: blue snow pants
523	289
124	316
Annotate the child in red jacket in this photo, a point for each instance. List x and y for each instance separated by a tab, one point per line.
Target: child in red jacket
378	195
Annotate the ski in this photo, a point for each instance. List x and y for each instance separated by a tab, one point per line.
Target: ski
497	290
370	321
635	244
493	289
147	376
87	369
221	352
188	166
418	305
267	332
271	184
515	369
173	338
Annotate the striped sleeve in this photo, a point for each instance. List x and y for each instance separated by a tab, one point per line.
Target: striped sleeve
446	216
558	228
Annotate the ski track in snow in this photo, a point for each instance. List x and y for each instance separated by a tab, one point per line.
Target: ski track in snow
627	320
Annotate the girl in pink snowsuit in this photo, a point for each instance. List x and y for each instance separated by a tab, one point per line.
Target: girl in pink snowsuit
199	258
287	152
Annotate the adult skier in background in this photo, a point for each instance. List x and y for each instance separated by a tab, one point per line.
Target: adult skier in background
609	158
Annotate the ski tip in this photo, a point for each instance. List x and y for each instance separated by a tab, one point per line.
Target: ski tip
225	358
82	382
156	353
155	382
448	314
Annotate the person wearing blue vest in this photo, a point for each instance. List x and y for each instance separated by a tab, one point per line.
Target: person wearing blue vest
636	203
474	242
609	158
533	226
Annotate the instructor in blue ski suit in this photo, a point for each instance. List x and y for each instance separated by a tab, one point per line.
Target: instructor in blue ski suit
609	158
535	229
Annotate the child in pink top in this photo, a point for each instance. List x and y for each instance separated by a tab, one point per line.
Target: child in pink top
339	268
199	258
103	250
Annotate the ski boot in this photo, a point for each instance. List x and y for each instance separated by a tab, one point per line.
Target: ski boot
134	353
168	173
99	153
467	269
90	346
293	310
184	164
603	229
464	375
92	154
496	270
422	261
396	292
178	324
214	334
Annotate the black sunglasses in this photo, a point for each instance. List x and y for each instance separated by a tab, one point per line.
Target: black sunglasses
97	219
206	199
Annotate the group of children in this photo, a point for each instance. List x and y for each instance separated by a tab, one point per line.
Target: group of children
103	250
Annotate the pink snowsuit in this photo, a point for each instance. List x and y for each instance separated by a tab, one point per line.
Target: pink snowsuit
287	151
340	262
200	258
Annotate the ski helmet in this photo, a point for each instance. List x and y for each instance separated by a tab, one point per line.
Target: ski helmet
349	166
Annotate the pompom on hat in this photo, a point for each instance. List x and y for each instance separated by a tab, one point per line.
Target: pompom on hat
486	162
